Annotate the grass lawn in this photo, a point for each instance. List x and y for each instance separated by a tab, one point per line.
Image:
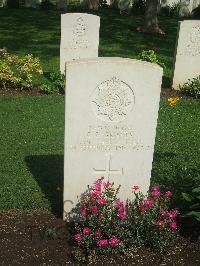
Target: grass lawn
32	128
38	32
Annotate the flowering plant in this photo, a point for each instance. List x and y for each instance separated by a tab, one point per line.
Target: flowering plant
106	224
18	71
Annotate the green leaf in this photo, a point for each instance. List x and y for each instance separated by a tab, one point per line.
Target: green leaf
196	190
187	197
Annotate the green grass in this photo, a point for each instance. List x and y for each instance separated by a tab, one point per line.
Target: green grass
31	156
38	32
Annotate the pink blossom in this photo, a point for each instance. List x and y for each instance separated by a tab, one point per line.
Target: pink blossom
168	194
135	187
122	215
163	213
98	233
102	242
113	242
106	184
83	213
155	188
119	203
78	237
97	187
155	193
149	202
86	231
91	194
173	225
102	201
94	209
143	207
161	223
173	214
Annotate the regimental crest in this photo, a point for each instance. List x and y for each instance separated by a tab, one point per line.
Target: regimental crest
113	100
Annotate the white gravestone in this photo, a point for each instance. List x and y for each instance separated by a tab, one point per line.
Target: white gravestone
79	37
111	110
187	61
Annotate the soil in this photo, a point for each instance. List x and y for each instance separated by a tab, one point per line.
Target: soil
165	93
24	240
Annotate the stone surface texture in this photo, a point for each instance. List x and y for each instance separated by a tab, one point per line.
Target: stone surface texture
79	37
111	109
187	58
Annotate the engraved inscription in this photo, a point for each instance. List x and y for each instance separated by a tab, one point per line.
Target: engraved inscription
108	139
79	35
113	100
192	46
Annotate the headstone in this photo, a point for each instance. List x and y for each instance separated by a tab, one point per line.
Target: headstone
111	110
79	37
187	60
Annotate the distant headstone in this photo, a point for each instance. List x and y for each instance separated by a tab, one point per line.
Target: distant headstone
79	37
187	60
111	110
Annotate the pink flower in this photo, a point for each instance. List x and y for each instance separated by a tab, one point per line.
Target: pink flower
83	213
173	225
172	214
155	193
102	201
102	242
122	216
97	187
98	233
78	237
143	207
149	202
135	187
168	194
106	184
86	231
161	223
113	242
91	194
163	213
94	209
119	203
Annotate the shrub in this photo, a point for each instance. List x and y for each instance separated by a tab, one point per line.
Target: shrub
193	201
172	10
150	56
192	87
17	71
55	83
103	223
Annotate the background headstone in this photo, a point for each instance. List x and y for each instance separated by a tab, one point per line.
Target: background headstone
79	37
187	60
111	109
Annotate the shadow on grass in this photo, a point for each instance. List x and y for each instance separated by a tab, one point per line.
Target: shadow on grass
48	172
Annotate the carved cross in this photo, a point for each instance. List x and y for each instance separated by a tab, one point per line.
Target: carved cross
107	172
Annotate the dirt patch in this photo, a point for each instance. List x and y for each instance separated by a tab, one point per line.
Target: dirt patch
37	237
